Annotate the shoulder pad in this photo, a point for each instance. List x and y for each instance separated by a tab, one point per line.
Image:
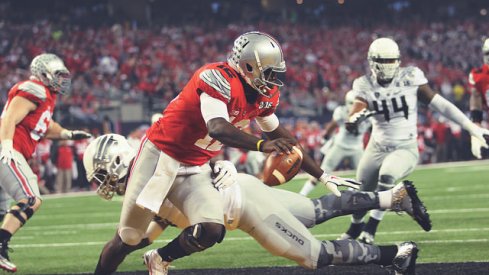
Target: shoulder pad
361	85
413	76
217	81
34	89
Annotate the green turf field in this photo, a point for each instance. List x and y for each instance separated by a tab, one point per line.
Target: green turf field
67	235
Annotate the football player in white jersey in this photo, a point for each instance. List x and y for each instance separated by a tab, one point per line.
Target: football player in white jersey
390	94
342	145
266	213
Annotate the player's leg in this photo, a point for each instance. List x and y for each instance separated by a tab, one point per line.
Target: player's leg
367	174
20	183
396	165
134	219
202	204
330	161
277	230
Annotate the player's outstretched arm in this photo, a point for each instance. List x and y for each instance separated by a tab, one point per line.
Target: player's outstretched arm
450	111
56	131
358	114
17	109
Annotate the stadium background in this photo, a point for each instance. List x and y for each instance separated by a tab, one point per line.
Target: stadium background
130	58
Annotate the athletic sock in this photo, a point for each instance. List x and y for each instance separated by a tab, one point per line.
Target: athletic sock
5	235
387	254
371	226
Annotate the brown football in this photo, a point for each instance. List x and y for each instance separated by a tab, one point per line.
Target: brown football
280	168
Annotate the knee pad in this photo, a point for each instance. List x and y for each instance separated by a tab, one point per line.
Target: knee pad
130	236
201	236
25	208
386	182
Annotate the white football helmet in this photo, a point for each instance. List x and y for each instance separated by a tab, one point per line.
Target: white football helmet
349	100
485	51
52	72
258	57
384	59
107	160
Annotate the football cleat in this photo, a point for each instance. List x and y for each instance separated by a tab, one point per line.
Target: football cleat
404	262
5	262
366	237
353	232
405	198
156	265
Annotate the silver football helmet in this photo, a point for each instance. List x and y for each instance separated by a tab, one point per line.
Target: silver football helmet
107	160
258	57
384	59
52	72
485	51
349	100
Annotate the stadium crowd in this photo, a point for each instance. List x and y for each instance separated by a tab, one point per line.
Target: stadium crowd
114	62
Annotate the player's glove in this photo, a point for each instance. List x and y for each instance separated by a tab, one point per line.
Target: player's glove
478	139
7	152
332	183
352	124
75	134
225	174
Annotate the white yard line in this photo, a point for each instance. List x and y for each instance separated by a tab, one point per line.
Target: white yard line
321	236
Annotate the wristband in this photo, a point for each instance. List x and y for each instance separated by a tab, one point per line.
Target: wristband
259	145
476	116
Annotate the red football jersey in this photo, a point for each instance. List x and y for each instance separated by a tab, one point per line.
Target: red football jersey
181	132
479	79
35	124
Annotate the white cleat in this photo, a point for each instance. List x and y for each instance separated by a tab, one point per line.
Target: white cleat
156	265
366	237
405	261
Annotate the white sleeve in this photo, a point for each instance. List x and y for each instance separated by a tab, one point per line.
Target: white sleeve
450	111
211	107
268	123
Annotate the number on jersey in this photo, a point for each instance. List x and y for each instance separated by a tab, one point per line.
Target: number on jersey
396	106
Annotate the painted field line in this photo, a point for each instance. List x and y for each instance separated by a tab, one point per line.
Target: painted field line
454	230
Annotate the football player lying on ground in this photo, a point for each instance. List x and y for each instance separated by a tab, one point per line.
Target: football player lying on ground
267	214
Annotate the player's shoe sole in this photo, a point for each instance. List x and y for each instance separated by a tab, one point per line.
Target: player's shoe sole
419	212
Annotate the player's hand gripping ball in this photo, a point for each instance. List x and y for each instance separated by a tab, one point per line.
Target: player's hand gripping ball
280	168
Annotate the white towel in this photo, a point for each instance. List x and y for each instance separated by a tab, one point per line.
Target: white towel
158	186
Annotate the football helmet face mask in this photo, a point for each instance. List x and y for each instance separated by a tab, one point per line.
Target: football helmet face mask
52	72
485	51
107	160
349	100
258	58
384	59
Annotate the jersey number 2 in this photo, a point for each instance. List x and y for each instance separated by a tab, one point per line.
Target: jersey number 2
395	106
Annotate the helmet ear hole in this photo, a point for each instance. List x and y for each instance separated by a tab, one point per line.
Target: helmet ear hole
117	160
249	67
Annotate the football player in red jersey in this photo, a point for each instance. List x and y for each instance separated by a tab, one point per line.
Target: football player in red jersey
26	118
219	100
479	98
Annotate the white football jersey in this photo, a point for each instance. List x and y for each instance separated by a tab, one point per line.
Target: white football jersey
396	105
343	138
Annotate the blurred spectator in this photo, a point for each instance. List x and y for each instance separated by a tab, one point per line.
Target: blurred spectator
64	165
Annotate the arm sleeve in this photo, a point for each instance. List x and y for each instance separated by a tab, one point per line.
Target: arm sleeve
211	107
450	111
214	83
268	123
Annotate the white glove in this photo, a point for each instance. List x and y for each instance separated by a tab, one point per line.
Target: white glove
476	146
7	152
477	139
332	183
225	174
74	135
